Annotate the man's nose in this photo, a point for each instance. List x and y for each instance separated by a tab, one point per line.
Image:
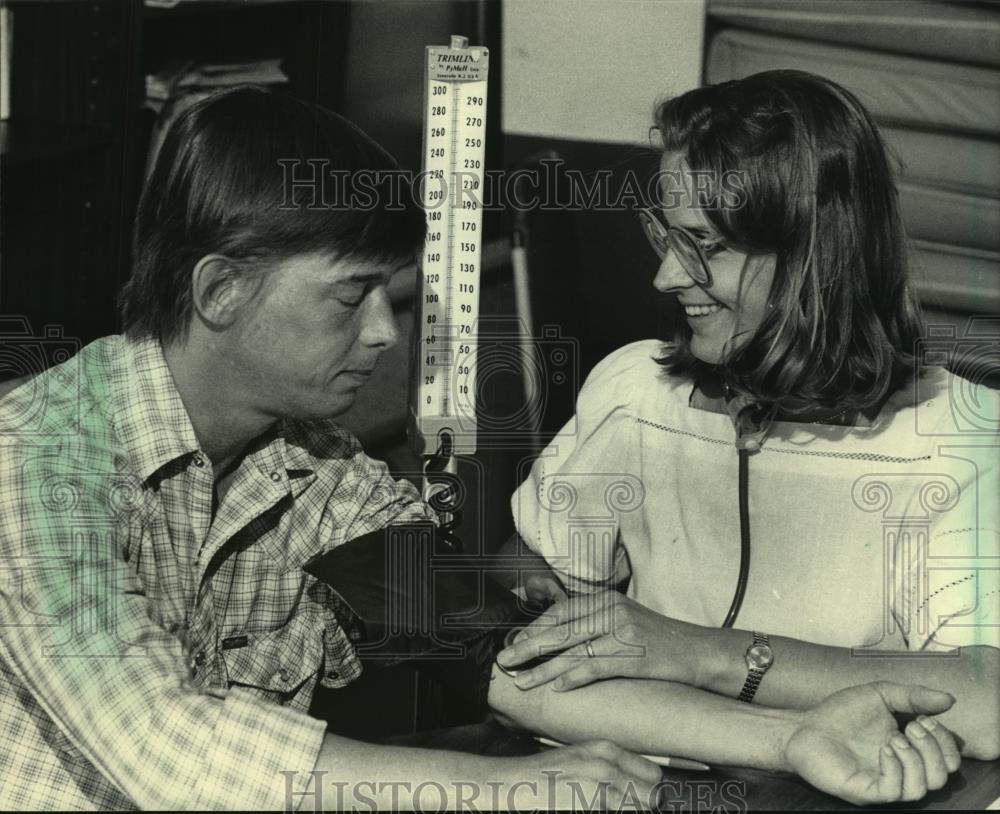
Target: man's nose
671	276
379	329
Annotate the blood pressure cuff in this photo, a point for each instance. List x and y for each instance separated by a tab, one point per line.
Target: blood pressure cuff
414	598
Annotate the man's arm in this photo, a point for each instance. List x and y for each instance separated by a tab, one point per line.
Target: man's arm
351	775
78	637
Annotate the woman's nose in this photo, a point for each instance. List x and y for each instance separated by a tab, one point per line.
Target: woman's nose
671	275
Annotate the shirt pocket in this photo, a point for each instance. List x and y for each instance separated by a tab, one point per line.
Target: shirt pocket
276	663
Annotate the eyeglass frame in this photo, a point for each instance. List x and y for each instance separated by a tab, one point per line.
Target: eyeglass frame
663	231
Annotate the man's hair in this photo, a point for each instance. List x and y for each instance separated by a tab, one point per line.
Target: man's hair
818	192
220	185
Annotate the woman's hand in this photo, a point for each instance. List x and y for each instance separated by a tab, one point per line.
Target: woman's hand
543	589
626	639
850	746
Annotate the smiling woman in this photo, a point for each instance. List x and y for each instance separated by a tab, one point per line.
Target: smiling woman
723	291
800	343
814	255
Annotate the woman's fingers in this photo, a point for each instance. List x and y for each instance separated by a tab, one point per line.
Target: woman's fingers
935	771
551	640
946	740
550	670
633	766
559	628
562	611
914	781
609	659
581	665
890	781
573	668
571	608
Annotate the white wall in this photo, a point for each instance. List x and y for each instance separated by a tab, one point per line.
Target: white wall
592	70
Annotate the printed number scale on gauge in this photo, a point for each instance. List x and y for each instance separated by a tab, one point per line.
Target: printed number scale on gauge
454	149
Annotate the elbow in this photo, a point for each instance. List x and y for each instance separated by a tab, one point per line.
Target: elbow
992	749
984	745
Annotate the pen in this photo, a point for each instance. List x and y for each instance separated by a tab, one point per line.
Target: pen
659	760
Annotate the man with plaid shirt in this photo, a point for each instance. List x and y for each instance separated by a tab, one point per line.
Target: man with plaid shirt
158	503
161	491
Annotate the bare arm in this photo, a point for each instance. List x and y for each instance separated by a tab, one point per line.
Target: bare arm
848	745
804	674
657	717
634	641
351	774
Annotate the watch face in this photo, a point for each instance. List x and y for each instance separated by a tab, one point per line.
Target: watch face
760	656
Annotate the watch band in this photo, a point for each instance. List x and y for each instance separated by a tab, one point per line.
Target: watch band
750	685
754	673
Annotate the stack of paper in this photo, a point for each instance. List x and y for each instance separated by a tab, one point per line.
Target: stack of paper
172	91
172	3
190	77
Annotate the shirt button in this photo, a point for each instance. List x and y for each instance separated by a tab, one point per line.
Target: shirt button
333	674
275	477
283	675
199	659
199	460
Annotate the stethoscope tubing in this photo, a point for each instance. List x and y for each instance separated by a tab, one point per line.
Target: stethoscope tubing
744	575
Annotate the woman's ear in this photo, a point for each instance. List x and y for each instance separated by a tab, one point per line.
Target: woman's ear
219	288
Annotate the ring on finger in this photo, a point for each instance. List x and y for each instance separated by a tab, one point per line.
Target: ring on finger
590	649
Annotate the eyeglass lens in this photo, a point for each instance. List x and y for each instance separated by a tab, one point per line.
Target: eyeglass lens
661	238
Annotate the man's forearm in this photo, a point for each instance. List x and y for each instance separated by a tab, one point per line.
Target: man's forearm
355	775
396	778
657	717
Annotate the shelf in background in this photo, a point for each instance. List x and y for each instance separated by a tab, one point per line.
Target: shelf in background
206	6
24	142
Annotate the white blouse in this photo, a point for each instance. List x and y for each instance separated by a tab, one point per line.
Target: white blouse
883	537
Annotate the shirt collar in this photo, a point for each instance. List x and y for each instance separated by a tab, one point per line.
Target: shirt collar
273	458
155	427
151	419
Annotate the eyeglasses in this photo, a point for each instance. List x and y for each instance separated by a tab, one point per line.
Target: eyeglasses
689	250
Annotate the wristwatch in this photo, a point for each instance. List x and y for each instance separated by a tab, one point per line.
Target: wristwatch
759	657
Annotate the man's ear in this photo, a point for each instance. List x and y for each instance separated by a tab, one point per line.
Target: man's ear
219	288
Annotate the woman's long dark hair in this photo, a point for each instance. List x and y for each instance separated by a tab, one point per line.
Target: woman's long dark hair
819	194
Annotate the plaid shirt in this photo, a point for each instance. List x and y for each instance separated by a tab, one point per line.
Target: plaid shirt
156	651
